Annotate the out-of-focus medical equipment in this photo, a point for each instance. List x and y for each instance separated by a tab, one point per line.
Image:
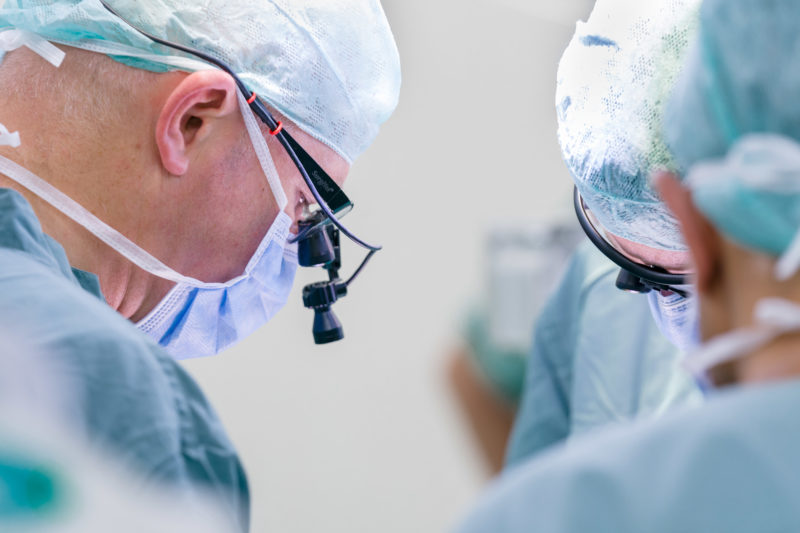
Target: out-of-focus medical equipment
487	374
523	264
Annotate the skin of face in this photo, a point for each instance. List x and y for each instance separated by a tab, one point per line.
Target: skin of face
671	261
172	169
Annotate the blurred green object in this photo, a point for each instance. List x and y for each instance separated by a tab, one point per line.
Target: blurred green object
26	488
503	368
523	263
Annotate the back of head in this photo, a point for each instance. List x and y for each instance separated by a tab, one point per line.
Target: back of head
733	123
613	81
331	66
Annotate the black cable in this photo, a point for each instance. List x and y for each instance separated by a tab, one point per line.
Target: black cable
360	268
649	274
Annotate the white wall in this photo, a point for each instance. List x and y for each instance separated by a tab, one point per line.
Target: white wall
363	436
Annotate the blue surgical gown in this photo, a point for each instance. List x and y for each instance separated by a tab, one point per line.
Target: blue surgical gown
597	358
728	466
131	399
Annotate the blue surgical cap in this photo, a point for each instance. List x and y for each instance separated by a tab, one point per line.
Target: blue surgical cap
331	66
613	82
733	122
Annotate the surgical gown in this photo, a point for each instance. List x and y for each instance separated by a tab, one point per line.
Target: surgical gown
597	358
130	398
728	466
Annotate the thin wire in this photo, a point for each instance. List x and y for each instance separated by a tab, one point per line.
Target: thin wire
360	268
262	113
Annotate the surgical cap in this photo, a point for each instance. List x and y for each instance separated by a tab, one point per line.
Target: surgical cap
613	82
331	66
733	121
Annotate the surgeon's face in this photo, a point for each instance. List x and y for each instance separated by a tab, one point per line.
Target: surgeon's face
237	206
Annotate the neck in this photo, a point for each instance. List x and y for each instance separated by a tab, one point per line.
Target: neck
90	160
128	289
748	279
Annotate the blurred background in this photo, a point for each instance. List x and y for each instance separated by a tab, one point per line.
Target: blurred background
368	434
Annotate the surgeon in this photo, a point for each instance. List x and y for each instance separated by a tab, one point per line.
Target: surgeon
598	358
166	176
602	355
729	465
148	197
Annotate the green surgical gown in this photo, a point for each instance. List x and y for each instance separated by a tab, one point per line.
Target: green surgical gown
131	398
597	358
728	466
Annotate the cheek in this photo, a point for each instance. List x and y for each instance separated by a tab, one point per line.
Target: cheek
254	206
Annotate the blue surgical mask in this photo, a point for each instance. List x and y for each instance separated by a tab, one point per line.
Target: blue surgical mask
201	320
195	319
677	317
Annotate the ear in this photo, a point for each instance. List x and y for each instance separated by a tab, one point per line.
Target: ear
701	237
189	115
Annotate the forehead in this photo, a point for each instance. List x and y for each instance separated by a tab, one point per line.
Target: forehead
671	261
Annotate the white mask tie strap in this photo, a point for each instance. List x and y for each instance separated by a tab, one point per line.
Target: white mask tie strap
727	347
15	38
262	152
783	315
773	316
789	262
97	227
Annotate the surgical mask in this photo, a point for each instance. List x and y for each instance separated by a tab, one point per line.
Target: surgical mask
196	318
199	319
677	317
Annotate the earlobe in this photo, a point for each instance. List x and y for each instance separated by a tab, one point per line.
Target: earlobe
189	115
700	236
